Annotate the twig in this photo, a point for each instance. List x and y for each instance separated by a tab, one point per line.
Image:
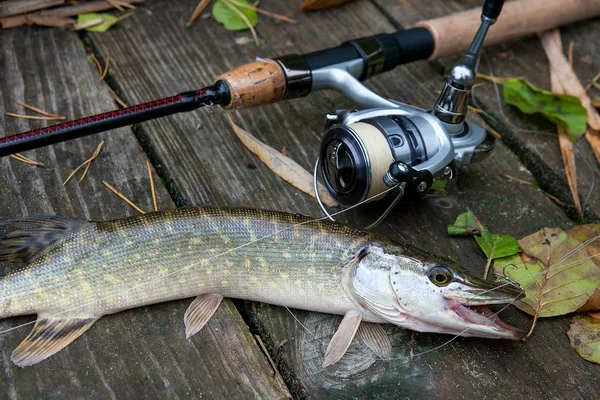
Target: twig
39	111
86	163
25	116
475	109
103	75
264	12
197	11
242	16
23	159
122	196
266	353
152	186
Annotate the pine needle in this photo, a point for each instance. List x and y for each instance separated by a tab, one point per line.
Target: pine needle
242	16
39	111
152	186
554	198
197	11
23	159
495	79
85	164
122	196
570	54
103	75
95	60
115	4
43	118
116	96
278	17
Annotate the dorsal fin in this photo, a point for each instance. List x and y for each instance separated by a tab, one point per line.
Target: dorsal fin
48	336
36	235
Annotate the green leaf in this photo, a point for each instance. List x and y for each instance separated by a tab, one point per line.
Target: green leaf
584	335
562	109
108	21
230	19
497	246
465	224
557	272
438	187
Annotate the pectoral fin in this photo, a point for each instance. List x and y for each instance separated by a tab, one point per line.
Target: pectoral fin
49	335
374	337
199	312
342	338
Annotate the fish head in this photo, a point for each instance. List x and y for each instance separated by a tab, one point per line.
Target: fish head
430	295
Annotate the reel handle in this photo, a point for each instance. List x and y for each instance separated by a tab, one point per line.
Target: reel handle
453	33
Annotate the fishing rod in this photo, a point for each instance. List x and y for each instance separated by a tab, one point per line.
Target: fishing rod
387	142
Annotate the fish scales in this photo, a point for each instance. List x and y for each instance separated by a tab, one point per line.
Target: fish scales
79	271
153	258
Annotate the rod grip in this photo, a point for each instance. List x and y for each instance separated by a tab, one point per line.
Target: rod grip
454	33
254	84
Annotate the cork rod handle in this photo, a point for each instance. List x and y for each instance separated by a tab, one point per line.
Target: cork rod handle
254	84
453	34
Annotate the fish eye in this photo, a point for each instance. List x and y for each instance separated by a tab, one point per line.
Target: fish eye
439	275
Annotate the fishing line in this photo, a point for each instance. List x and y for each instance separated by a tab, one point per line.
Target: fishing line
198	263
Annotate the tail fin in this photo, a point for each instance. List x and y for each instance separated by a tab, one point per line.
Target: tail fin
37	235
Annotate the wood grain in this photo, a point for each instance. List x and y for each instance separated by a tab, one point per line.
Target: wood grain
209	166
531	138
140	353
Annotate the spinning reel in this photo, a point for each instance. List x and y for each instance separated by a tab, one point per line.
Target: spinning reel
388	144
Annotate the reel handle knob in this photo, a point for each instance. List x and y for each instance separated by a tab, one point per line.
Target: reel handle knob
492	9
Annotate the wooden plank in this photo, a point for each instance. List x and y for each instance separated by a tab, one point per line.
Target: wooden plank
532	138
209	166
140	353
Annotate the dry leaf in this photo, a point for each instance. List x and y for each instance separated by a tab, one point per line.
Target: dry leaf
557	270
567	148
571	85
283	166
584	335
309	5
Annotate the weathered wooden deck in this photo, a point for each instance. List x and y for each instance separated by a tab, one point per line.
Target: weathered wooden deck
143	353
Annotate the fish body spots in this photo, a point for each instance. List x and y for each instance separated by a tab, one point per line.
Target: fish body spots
311	270
224	283
284	275
110	278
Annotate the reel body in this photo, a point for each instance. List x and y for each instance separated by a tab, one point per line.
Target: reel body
360	147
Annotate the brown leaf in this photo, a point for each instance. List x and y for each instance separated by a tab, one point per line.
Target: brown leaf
571	85
309	5
285	167
559	270
584	335
567	148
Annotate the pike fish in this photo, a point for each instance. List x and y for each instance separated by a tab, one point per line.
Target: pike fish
77	271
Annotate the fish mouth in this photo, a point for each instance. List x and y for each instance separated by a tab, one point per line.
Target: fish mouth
470	304
483	322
